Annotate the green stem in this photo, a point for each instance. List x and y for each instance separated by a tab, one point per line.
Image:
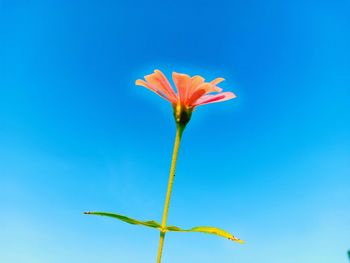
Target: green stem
179	130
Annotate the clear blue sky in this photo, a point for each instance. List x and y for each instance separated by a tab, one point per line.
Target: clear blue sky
76	134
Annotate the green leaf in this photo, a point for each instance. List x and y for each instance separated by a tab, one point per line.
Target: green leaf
349	254
207	230
152	224
155	224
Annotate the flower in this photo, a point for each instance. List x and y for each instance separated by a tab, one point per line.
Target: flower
191	92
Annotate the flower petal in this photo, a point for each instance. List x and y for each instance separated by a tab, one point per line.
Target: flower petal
214	98
209	88
201	90
182	83
195	96
143	83
159	81
216	82
196	81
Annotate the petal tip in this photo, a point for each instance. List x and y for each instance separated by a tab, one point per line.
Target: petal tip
233	95
217	81
139	82
183	75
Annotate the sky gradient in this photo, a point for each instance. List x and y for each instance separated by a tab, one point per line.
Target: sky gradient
76	134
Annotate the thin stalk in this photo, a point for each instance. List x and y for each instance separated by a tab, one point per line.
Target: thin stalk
179	130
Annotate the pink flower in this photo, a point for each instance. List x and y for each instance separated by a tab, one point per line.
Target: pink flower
191	92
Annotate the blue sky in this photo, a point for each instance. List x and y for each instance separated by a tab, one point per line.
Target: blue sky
271	166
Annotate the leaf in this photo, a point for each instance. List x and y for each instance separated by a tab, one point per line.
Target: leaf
152	224
155	224
206	230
